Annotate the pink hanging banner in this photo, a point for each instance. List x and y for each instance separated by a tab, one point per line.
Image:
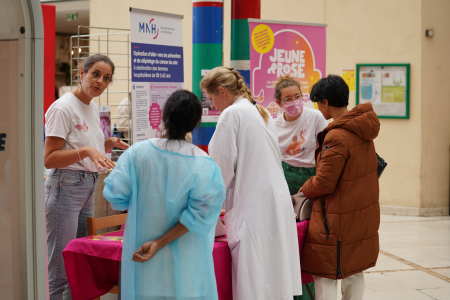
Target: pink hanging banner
282	48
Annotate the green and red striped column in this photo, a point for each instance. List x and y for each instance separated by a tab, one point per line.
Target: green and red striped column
241	10
207	53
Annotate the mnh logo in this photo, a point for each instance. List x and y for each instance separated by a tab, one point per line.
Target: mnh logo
149	28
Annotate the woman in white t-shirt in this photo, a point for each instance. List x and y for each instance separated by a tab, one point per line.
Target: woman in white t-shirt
74	150
297	130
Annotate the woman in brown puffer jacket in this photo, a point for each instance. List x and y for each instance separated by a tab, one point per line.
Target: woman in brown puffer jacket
342	238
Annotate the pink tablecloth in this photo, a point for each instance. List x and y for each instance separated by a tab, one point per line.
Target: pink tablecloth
92	264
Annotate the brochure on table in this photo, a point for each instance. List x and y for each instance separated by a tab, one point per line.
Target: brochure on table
386	86
156	68
280	48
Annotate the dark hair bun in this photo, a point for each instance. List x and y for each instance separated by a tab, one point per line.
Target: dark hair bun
182	113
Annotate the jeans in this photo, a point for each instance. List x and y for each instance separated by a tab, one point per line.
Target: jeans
296	177
69	200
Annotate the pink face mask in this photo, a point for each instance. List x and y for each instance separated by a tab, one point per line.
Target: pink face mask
293	108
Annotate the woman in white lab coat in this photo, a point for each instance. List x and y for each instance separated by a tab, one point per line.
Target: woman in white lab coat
260	220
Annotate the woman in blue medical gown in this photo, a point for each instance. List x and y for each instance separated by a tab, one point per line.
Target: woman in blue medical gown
174	194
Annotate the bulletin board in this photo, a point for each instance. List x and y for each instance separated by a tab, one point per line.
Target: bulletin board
386	86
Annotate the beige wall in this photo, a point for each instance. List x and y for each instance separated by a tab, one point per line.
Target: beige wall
435	105
375	32
363	31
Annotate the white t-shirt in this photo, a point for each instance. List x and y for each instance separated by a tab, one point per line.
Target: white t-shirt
298	139
79	125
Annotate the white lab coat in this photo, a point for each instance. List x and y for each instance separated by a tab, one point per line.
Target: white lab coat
260	222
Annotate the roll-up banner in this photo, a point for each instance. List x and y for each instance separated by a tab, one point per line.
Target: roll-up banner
282	48
156	68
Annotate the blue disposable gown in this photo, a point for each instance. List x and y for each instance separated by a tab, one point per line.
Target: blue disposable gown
161	184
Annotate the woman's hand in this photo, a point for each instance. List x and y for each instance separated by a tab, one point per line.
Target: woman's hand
99	159
55	157
146	251
114	142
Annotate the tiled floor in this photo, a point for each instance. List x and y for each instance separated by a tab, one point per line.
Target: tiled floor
414	261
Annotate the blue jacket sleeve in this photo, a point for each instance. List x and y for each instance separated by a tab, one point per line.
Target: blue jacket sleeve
118	185
205	199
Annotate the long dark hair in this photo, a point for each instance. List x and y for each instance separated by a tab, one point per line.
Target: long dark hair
181	114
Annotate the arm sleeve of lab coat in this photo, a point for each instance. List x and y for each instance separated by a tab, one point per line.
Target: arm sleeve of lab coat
223	149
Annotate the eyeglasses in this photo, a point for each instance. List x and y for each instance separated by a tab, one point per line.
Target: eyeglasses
298	96
210	99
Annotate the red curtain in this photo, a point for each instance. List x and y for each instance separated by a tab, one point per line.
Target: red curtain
49	16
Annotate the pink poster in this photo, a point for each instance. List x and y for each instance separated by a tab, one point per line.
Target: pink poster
278	49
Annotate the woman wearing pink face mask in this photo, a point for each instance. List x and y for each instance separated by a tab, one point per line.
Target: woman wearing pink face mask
297	130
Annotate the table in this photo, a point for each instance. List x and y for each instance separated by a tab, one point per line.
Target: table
92	264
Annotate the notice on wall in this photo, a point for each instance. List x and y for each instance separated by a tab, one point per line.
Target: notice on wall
393	86
386	87
279	49
156	68
349	76
370	86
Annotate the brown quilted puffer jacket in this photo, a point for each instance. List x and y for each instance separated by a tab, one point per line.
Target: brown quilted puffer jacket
342	237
